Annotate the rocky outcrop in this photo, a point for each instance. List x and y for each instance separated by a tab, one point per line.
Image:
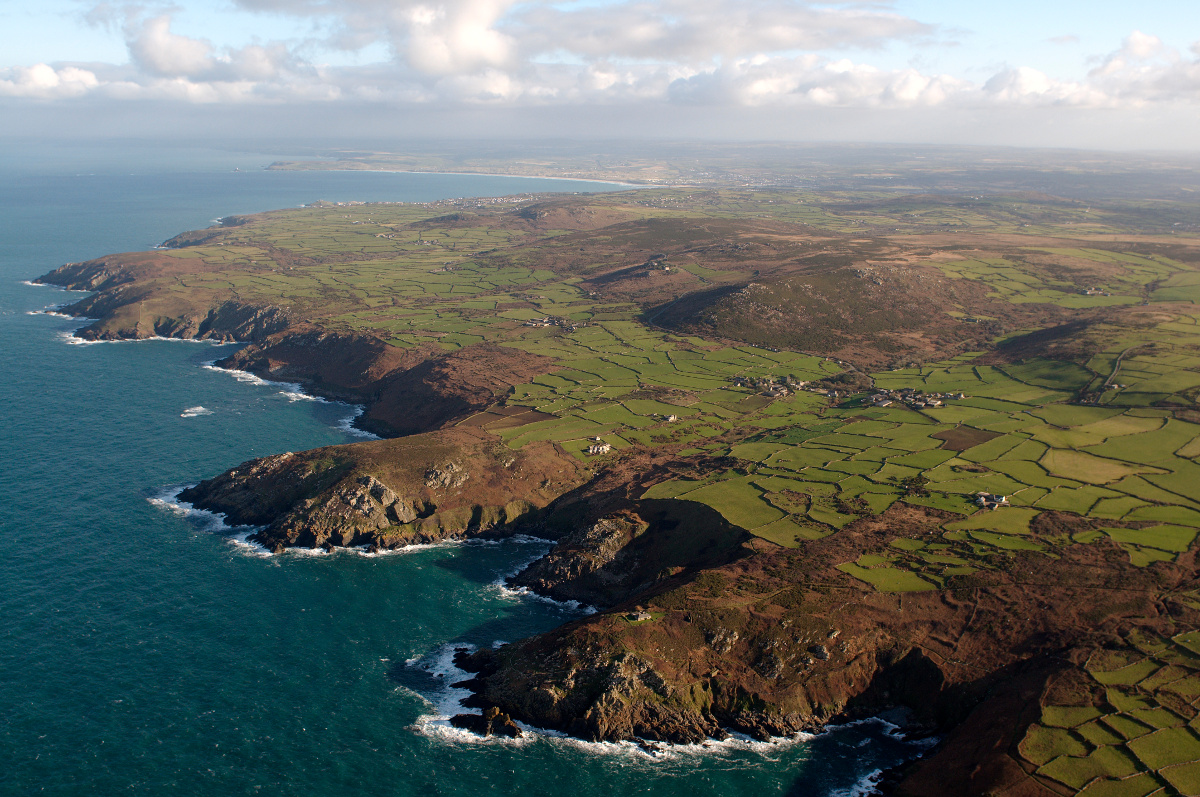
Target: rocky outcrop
92	275
595	555
258	492
342	365
492	722
448	386
606	687
230	321
201	237
389	493
613	546
406	391
602	696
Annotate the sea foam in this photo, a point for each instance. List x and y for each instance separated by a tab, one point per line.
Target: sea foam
433	674
865	787
212	522
293	391
33	284
501	584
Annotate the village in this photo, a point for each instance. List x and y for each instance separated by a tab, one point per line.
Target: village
914	399
783	386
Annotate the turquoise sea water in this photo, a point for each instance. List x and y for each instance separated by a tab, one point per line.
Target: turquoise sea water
146	652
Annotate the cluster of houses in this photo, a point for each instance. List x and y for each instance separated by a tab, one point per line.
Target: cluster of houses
775	388
912	398
990	500
1094	292
322	203
551	321
598	447
779	387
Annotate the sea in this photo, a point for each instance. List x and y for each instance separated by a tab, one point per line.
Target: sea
149	650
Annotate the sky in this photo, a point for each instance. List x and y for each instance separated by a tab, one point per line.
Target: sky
1108	74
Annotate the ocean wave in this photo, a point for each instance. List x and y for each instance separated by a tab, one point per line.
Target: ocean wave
438	669
347	424
431	677
33	284
403	550
525	593
212	522
296	395
515	593
241	376
865	787
294	391
68	336
193	412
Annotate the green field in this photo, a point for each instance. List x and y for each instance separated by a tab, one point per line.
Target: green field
1140	737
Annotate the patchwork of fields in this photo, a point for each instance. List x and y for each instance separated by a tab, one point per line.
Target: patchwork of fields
1099	436
829	466
1037	354
1127	723
1091	428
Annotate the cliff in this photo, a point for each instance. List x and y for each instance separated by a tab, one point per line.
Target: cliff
424	488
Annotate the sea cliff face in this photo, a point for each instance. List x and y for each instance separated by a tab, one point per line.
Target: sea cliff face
125	309
388	493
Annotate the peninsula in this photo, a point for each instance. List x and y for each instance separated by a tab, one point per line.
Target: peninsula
813	454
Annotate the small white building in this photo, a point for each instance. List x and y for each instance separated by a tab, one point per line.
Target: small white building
990	500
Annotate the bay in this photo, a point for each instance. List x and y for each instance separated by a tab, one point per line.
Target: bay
145	652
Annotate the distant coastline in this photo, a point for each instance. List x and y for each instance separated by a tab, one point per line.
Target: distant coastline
300	166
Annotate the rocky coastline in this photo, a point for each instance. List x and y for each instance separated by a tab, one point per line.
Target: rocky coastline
701	628
723	635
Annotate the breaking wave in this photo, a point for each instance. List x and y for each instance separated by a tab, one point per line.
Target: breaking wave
204	520
431	677
502	586
293	391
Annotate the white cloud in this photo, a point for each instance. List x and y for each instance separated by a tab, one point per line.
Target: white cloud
458	38
697	31
160	52
45	82
718	53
